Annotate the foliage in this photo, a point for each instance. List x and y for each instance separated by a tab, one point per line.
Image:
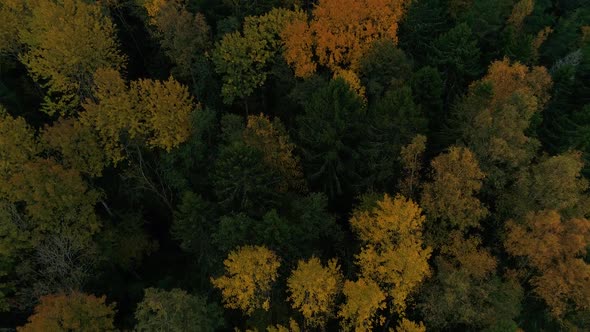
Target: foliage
155	112
364	299
278	152
314	288
243	59
393	254
339	33
329	133
184	37
67	42
68	312
555	248
451	196
250	274
177	310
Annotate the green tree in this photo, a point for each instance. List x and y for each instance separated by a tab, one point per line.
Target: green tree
329	133
457	56
243	59
466	291
383	67
393	121
176	310
184	37
554	183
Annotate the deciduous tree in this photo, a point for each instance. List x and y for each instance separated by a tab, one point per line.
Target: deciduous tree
157	113
451	196
554	248
364	299
176	310
71	312
340	33
313	290
250	272
393	254
243	59
66	42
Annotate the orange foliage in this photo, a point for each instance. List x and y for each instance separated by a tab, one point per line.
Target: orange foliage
555	248
340	33
71	312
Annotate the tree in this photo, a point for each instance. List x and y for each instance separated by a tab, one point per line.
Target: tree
157	113
313	289
69	312
17	144
393	254
75	146
494	118
301	229
243	182
408	326
184	37
456	54
329	134
340	33
176	310
56	200
554	183
293	327
451	196
411	159
250	272
11	11
554	249
364	299
384	66
393	121
243	60
67	42
278	152
465	290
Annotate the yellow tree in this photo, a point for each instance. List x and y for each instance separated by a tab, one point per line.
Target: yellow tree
278	151
313	289
554	249
250	272
66	42
71	312
156	113
340	33
408	326
451	196
364	299
393	254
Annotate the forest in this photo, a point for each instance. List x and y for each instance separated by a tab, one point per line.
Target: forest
294	165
